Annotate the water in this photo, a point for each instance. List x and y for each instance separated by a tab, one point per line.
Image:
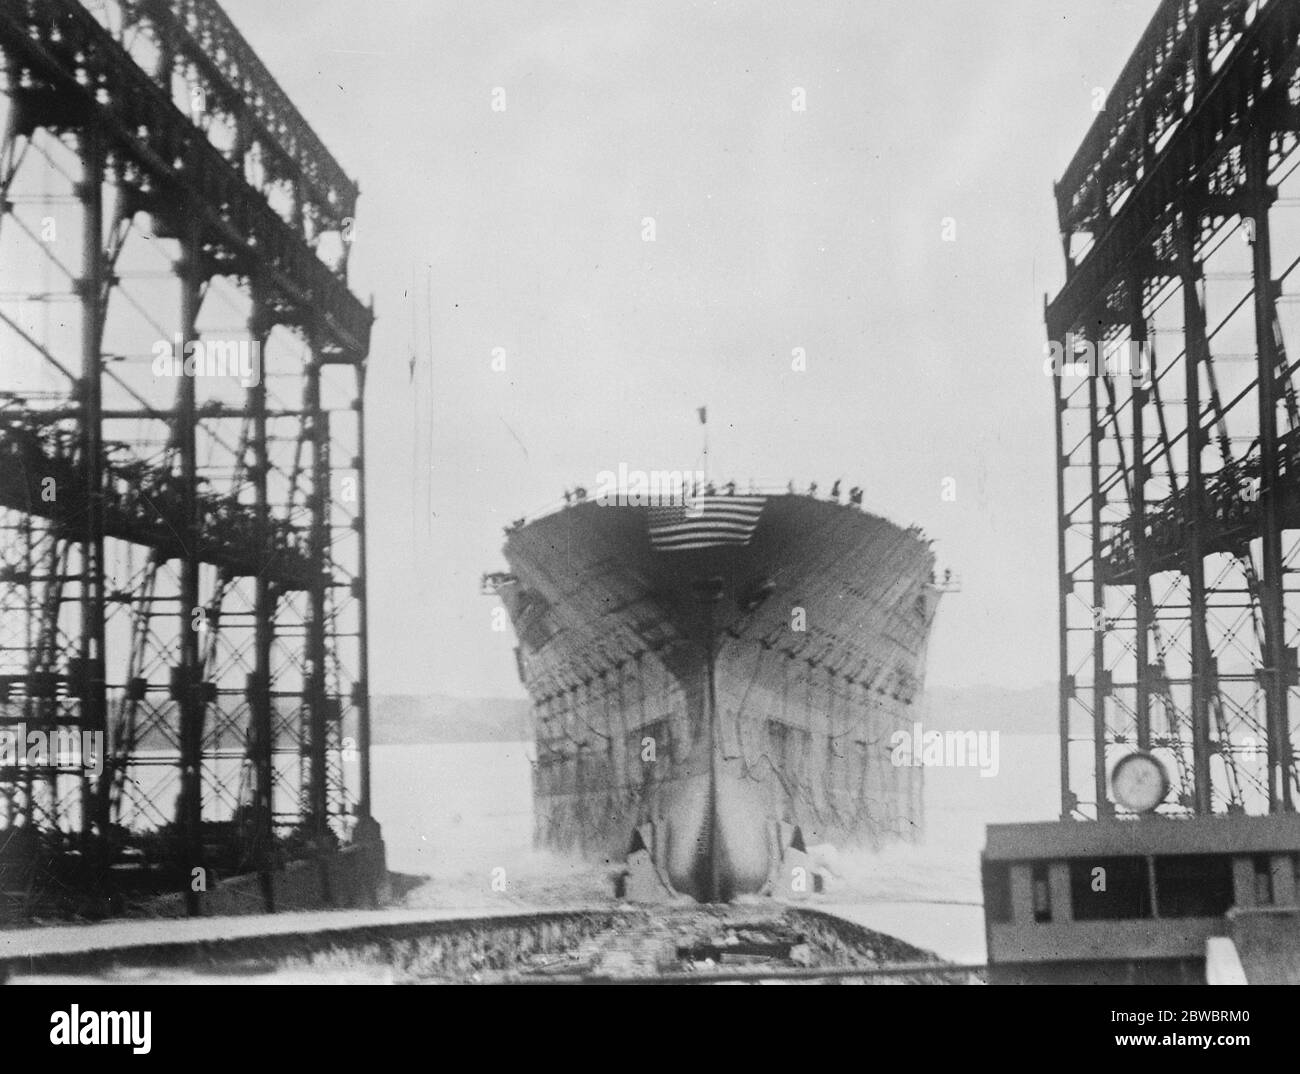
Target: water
453	808
462	814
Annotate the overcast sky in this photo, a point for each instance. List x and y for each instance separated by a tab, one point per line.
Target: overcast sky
774	229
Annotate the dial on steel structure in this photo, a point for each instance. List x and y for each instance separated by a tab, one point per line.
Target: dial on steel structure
1178	426
182	558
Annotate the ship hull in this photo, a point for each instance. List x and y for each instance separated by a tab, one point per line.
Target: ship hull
723	694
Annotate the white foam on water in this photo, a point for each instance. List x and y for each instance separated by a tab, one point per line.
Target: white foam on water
457	812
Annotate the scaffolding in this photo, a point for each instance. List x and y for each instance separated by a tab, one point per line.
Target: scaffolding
182	542
1177	419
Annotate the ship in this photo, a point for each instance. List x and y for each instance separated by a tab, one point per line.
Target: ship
715	683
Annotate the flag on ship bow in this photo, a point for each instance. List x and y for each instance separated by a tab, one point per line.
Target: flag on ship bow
705	522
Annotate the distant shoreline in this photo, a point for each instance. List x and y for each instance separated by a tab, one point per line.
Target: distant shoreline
436	719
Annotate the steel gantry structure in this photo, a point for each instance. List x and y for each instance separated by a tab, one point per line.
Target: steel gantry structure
1177	416
182	548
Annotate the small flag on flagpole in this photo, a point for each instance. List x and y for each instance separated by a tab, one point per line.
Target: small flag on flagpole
703	413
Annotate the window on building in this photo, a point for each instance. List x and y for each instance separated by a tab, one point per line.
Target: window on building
1193	885
1109	889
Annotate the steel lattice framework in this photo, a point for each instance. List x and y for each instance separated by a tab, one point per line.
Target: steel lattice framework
1177	417
181	557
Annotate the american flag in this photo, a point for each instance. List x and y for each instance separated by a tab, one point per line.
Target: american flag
706	522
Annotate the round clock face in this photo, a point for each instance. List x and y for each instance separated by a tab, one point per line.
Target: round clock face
1139	782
